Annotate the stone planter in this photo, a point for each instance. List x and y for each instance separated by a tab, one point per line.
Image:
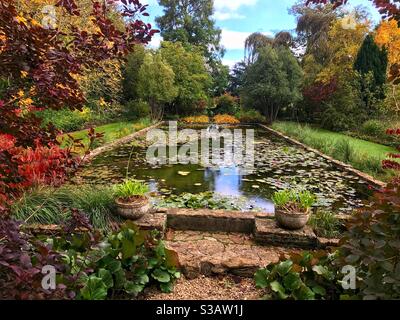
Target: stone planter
133	210
292	220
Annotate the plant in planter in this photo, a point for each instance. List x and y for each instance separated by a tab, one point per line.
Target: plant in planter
293	208
131	200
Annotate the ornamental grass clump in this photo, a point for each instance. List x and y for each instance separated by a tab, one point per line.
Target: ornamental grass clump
293	201
293	208
130	190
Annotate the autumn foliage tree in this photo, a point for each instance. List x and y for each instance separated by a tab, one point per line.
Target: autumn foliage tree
40	67
388	36
388	9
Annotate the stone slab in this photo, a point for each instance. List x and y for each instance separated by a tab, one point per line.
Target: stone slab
325	243
153	221
268	232
212	220
216	253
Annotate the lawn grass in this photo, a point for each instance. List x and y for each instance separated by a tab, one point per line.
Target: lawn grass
361	154
111	132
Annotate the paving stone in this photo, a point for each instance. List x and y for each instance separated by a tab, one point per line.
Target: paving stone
268	232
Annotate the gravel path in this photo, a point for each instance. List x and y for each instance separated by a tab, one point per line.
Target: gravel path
209	288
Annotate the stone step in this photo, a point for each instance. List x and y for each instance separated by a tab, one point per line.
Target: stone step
154	221
213	220
214	253
267	232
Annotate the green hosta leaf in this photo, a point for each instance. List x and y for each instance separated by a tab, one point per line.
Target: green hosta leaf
161	276
94	289
319	290
284	267
261	278
114	266
120	279
166	287
292	281
304	293
152	262
140	237
160	250
323	271
107	278
133	288
279	290
143	279
128	249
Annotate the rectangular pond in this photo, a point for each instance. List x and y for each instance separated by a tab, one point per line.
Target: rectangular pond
278	165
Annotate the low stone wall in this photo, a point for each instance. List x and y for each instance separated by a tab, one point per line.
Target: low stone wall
374	182
213	220
268	232
260	226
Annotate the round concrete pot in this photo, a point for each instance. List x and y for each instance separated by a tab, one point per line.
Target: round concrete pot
292	220
133	210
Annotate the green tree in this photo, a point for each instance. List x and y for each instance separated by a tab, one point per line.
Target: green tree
220	76
272	82
191	76
190	21
130	72
156	84
371	63
257	41
236	78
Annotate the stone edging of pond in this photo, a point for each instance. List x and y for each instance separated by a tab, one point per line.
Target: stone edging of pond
262	226
212	242
374	182
116	143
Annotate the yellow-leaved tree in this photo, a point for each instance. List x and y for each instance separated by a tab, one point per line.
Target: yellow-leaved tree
388	36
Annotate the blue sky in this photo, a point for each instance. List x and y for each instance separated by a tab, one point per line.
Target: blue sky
239	18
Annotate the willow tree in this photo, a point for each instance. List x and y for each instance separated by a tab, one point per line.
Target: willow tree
157	84
253	44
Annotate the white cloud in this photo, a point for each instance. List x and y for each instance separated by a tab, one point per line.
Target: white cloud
221	16
229	62
234	40
233	5
227	9
155	41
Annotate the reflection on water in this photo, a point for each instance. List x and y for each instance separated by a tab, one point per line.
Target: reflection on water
278	165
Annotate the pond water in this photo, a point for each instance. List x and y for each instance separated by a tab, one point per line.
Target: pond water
278	165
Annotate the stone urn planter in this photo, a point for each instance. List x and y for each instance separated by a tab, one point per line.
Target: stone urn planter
293	208
133	208
292	220
131	200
